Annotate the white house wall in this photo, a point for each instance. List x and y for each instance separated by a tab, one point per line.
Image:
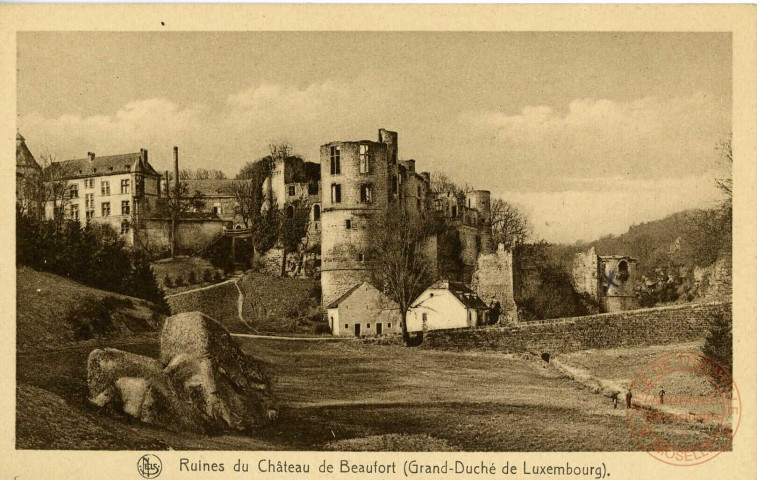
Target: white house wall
443	311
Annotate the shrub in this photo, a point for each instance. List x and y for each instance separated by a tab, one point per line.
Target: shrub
207	276
217	276
192	278
321	329
167	281
719	342
93	317
179	280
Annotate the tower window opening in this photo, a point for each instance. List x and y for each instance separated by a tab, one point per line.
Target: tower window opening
336	193
336	160
365	159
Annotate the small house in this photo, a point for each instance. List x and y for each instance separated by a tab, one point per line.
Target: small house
446	305
363	311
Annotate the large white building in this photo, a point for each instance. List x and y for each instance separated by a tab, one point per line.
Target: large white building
114	190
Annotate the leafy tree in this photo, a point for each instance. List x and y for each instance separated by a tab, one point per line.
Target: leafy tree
248	190
395	257
719	342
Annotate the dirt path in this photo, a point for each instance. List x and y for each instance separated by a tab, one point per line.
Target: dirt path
308	339
235	279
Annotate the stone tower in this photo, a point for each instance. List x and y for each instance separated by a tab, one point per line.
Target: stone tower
358	178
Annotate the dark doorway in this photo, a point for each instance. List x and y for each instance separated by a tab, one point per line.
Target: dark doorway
379	328
357	329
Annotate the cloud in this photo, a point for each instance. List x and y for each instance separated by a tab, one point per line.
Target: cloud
598	138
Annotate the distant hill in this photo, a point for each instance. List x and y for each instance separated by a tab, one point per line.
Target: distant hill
653	244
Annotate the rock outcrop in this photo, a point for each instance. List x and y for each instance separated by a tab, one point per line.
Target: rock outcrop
202	381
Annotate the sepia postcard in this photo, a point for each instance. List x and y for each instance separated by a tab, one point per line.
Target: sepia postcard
379	241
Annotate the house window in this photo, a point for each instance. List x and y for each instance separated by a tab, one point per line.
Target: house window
74	212
394	184
336	193
418	202
106	209
336	160
217	209
346	326
312	189
438	205
89	183
360	257
105	188
316	212
348	224
125	186
365	159
89	200
90	214
125	207
389	325
368	325
291	190
366	193
73	191
454	210
124	227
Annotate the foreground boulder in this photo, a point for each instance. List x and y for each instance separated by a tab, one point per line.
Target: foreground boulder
202	381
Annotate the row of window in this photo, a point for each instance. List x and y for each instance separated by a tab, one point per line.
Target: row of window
366	193
73	191
105	209
368	325
363	154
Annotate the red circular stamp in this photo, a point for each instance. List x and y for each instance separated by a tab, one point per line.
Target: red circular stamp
683	408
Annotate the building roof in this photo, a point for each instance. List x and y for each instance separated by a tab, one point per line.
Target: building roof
211	187
344	296
24	158
461	292
106	165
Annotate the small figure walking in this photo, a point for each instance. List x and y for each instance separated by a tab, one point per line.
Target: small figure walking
662	396
615	400
629	396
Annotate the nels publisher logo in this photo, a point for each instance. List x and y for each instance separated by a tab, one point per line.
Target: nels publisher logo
149	466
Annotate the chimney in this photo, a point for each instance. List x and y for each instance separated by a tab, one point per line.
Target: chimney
144	155
410	165
176	168
91	156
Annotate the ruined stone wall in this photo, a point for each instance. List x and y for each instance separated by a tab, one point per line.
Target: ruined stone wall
652	326
584	273
493	280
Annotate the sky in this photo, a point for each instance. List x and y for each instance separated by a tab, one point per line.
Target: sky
587	133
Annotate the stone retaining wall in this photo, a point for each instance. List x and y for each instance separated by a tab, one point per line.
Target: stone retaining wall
651	326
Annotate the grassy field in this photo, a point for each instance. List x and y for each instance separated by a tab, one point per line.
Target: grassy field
271	305
281	305
346	394
219	302
44	301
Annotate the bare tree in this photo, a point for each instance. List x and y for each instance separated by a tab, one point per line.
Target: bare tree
49	187
395	257
441	183
179	201
509	225
711	229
